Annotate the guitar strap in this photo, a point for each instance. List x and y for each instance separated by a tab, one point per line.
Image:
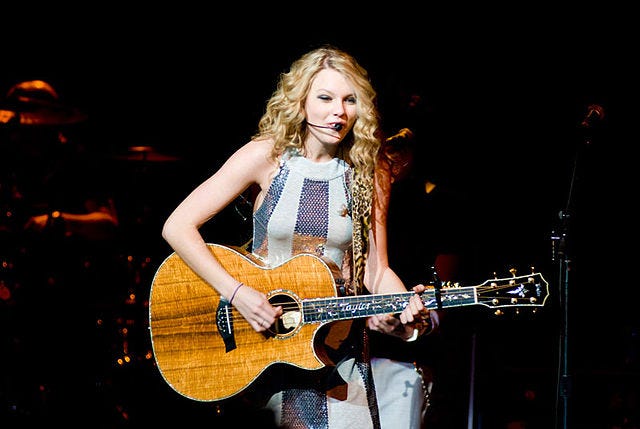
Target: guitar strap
361	194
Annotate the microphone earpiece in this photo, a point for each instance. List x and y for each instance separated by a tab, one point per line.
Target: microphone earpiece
336	127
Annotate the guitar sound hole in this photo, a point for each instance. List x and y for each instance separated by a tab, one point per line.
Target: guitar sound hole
291	314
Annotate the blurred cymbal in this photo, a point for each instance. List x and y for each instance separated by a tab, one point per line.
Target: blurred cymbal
145	154
36	103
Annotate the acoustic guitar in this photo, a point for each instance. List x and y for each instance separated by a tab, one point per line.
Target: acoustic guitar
206	351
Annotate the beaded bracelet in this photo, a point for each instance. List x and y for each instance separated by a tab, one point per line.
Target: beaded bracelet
423	328
413	336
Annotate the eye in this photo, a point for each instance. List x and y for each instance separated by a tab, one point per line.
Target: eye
351	100
324	97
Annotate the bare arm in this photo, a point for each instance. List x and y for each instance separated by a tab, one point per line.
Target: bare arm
247	166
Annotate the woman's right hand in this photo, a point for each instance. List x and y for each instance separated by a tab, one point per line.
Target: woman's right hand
256	308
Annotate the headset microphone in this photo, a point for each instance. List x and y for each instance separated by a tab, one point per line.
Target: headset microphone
336	127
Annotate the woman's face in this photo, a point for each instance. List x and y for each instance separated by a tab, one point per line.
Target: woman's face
330	106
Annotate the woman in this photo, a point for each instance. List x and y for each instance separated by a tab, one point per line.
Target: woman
321	189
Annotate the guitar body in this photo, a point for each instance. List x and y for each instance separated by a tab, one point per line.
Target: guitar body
185	318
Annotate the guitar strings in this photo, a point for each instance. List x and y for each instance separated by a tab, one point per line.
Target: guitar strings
307	308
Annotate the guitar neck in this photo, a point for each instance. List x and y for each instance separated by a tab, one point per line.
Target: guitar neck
530	290
319	310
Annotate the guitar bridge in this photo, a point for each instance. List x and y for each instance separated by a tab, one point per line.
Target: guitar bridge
224	322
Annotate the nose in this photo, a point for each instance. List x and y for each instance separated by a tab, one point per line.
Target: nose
339	109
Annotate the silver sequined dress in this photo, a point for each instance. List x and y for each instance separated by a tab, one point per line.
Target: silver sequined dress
307	209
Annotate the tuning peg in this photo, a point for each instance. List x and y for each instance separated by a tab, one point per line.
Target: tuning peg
513	271
449	284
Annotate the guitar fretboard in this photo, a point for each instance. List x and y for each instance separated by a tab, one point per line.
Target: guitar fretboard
321	310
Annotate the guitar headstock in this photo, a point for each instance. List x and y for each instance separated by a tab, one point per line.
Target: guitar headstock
530	290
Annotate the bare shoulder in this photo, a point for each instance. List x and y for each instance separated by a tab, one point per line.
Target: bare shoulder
257	152
254	161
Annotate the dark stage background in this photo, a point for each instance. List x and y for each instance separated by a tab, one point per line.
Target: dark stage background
496	115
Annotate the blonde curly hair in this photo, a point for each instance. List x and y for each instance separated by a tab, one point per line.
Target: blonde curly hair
284	118
284	122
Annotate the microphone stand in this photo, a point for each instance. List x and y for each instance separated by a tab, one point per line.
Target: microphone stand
560	254
559	241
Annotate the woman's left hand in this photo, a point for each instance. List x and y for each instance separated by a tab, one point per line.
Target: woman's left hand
414	316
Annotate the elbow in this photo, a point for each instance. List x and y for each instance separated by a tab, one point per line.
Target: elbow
175	229
168	230
179	227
